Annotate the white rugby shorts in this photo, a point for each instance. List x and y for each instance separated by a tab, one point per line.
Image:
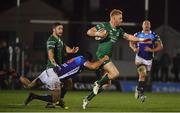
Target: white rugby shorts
50	79
140	60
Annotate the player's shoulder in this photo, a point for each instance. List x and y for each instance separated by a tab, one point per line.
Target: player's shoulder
105	23
102	25
51	38
155	34
137	33
79	59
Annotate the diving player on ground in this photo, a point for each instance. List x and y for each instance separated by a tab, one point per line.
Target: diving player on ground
52	77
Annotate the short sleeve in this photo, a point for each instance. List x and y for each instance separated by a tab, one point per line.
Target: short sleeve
121	32
50	44
100	26
157	37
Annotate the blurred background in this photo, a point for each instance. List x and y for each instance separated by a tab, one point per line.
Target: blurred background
25	26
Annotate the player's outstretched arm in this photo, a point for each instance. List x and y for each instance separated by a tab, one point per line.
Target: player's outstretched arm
133	38
96	64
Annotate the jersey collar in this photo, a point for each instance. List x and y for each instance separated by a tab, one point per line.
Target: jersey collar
147	33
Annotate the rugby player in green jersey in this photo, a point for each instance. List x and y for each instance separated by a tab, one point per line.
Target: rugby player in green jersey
108	33
55	50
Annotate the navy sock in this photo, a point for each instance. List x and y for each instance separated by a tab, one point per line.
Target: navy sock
47	98
63	92
92	95
141	86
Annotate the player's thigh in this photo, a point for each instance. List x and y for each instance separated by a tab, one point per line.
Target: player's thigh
35	83
111	69
43	77
52	81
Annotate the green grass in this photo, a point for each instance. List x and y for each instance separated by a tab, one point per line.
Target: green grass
12	100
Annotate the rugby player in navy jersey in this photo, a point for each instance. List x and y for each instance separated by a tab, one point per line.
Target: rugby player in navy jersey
52	77
144	56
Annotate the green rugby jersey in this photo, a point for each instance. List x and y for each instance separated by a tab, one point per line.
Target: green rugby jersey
106	45
57	45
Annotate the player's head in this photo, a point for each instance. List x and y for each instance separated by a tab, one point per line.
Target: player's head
116	17
88	56
57	29
146	26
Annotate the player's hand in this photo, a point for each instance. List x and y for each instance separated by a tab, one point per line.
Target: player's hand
106	57
101	33
148	49
75	49
56	65
136	50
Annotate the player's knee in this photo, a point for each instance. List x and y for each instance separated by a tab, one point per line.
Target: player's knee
142	77
142	70
114	74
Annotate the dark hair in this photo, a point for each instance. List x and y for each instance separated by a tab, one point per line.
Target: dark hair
54	25
87	56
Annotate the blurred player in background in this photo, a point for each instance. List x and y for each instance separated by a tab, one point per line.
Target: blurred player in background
144	56
52	77
55	48
108	33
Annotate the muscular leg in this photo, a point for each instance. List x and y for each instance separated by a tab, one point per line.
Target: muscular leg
105	86
142	72
111	74
35	83
52	98
67	85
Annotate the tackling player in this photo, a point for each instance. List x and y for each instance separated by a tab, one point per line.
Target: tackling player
51	77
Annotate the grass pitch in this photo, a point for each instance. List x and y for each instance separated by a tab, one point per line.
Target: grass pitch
12	101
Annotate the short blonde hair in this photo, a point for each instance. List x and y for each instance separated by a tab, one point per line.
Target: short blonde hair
115	12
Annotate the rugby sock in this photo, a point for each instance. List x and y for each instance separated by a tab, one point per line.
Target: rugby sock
98	73
103	80
63	92
92	95
141	86
47	98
